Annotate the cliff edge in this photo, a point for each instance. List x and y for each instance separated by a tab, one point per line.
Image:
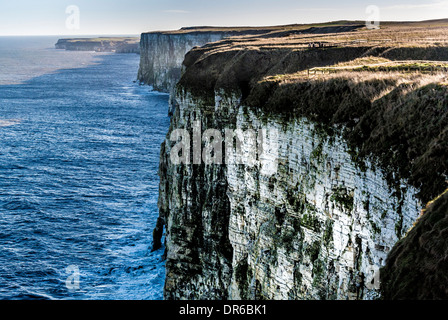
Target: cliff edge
163	52
341	143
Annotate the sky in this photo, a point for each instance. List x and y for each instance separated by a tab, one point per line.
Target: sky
109	17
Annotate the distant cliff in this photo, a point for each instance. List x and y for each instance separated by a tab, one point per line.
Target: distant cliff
109	44
350	146
162	55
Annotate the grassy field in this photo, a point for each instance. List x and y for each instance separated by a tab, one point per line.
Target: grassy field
423	33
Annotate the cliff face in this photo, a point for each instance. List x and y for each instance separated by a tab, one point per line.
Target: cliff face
318	227
162	55
337	171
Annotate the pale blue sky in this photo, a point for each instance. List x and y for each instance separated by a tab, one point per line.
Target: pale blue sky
48	17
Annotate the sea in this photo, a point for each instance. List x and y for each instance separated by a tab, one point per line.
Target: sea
79	153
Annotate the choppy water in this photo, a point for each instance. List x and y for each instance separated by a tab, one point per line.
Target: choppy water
79	152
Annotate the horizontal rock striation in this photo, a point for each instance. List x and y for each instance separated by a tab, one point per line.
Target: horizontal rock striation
314	229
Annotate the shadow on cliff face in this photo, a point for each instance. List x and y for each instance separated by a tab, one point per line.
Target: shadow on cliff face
417	266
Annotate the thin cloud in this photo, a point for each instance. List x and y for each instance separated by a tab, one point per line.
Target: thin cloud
438	4
176	11
317	9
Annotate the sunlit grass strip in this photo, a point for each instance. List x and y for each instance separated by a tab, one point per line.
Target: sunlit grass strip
386	67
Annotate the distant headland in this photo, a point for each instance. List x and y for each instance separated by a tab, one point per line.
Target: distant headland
101	44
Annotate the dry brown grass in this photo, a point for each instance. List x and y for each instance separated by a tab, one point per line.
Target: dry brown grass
416	267
397	121
389	35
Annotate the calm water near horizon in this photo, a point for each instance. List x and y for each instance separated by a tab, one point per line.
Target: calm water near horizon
79	154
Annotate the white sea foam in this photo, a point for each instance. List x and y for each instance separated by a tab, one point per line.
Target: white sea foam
9	122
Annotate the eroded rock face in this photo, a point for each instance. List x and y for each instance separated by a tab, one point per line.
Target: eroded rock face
317	227
194	205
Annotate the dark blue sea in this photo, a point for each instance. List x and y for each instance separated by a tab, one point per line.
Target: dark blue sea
79	153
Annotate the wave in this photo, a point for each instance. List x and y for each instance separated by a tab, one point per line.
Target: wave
9	122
